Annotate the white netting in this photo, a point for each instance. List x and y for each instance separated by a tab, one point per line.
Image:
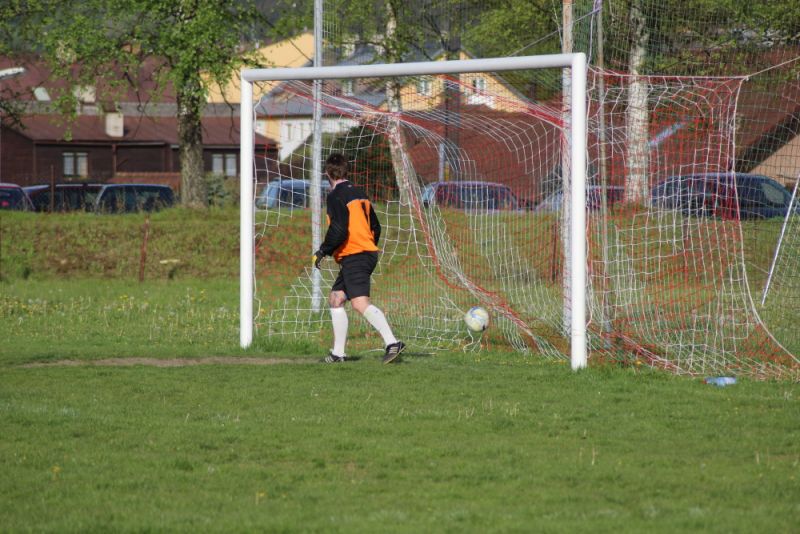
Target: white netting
694	121
779	300
465	240
469	195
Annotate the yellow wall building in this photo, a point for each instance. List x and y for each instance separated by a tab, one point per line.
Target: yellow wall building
477	88
295	52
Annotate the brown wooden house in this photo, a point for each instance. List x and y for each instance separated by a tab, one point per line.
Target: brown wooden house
132	138
91	149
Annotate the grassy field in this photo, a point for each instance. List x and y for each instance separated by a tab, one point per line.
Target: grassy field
128	406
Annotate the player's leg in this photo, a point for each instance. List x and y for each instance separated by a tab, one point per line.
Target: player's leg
336	300
357	271
375	317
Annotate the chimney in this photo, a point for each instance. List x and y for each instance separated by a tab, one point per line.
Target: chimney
115	124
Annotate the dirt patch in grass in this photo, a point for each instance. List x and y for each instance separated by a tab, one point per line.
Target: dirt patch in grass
175	362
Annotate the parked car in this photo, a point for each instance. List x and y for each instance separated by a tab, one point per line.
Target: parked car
291	194
594	199
65	197
129	198
726	195
470	196
13	197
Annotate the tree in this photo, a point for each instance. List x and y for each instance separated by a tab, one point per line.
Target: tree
191	43
16	35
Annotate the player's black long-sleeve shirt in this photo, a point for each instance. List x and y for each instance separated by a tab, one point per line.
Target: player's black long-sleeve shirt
353	226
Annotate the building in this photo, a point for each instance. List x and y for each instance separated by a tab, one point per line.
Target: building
131	136
285	113
289	53
98	148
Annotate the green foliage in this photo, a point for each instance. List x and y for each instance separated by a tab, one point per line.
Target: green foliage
223	191
17	33
109	40
699	36
188	45
519	27
373	162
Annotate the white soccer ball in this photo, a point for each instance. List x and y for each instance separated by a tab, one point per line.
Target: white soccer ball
477	319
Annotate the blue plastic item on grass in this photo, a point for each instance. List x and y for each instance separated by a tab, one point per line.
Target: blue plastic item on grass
720	381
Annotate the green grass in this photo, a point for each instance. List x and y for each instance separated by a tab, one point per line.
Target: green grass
91	319
451	442
494	441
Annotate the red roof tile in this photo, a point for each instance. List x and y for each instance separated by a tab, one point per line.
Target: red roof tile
140	129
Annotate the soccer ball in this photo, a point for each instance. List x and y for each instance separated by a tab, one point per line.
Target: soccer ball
477	319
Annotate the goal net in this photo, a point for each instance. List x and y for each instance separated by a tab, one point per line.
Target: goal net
638	256
454	159
674	280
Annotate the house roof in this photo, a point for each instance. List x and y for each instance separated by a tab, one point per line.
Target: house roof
278	101
516	149
217	131
285	105
37	74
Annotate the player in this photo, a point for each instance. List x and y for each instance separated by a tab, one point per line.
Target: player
352	240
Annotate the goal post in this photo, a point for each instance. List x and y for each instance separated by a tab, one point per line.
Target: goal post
576	63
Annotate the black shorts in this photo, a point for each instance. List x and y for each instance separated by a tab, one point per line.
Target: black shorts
354	274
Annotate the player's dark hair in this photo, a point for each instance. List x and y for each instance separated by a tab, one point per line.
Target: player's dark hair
336	166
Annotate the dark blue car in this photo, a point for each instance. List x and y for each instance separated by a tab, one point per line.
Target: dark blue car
63	197
12	197
725	195
131	198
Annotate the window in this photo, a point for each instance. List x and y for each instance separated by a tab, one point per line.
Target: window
479	84
41	94
223	164
424	86
217	162
775	196
76	164
230	164
86	94
347	87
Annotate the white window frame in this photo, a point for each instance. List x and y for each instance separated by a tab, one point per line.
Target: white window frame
230	165
478	84
348	87
75	164
217	163
425	86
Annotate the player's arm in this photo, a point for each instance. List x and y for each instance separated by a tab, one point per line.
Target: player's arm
337	230
374	224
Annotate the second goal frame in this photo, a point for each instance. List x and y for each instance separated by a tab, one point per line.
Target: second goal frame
578	148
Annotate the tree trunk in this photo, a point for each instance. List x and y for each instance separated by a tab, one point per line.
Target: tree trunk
636	189
396	144
190	141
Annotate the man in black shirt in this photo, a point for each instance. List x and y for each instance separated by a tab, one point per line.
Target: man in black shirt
352	240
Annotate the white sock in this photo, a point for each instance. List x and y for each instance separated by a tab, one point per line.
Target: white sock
375	317
339	320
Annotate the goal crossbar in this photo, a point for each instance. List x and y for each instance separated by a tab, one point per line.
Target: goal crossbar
578	142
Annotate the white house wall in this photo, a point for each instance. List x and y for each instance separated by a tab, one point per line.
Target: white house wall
294	132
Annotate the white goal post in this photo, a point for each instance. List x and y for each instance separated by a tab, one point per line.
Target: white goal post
578	279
